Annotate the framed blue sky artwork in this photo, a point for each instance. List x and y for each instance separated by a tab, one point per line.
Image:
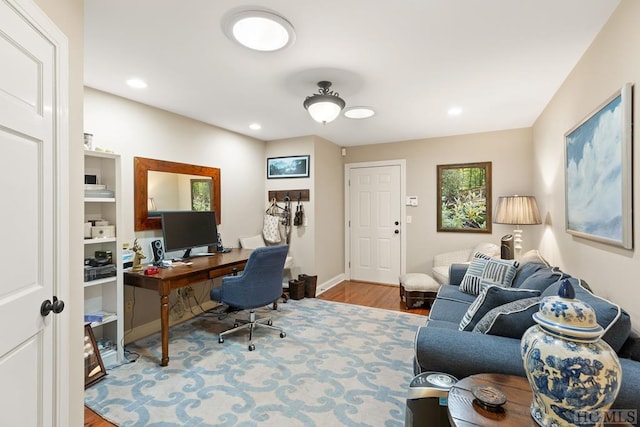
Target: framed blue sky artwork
598	173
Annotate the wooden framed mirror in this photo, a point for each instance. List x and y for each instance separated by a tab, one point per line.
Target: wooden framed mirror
160	185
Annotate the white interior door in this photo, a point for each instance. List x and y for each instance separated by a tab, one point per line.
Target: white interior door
375	223
28	219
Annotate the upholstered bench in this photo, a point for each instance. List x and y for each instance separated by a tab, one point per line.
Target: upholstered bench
418	289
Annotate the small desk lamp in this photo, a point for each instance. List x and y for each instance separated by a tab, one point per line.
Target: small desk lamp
518	210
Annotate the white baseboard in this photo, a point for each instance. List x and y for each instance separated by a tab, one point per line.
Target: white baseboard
153	327
325	286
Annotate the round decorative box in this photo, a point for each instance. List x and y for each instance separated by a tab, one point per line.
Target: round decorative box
574	375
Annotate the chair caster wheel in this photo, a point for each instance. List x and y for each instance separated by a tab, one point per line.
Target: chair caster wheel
220	340
283	334
269	322
235	325
252	347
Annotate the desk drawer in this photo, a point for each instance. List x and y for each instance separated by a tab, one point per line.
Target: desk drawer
226	271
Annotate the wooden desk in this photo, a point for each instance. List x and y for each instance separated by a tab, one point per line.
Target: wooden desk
463	411
168	279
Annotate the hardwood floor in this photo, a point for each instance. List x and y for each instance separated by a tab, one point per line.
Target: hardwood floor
359	293
370	295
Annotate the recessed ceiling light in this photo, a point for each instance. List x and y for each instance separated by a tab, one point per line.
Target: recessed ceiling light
359	112
259	30
137	83
255	126
454	111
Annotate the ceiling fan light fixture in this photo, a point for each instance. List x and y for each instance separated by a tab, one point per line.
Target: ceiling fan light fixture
259	30
358	113
324	106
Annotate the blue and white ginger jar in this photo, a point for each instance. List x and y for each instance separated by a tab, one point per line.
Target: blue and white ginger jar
574	375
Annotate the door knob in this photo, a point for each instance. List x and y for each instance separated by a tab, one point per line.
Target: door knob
397	223
397	231
47	306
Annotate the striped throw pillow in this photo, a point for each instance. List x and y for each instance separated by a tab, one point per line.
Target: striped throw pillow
485	270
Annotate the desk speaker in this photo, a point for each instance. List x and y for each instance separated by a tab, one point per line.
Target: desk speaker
158	251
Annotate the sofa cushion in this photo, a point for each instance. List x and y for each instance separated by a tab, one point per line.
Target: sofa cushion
453	293
490	249
450	304
441	274
533	256
615	321
509	320
490	298
543	278
485	270
525	271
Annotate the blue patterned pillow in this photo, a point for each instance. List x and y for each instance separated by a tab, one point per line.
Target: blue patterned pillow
491	297
509	320
485	270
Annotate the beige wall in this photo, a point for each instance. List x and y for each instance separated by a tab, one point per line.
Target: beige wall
68	16
329	203
301	242
318	246
509	151
610	62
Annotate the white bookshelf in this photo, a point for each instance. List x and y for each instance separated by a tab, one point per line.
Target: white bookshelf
105	295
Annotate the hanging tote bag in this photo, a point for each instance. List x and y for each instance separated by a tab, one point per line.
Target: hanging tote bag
271	229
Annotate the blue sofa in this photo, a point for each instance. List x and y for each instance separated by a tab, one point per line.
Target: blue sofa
491	342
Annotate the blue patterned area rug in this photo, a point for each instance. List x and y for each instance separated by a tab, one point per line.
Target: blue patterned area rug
339	365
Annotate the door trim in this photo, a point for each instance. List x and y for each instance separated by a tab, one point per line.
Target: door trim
347	209
61	324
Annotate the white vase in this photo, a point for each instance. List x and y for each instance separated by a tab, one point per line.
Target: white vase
574	375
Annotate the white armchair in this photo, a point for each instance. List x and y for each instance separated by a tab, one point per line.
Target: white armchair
257	241
442	262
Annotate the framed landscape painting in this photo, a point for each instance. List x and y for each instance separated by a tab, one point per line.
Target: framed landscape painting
288	167
464	197
598	173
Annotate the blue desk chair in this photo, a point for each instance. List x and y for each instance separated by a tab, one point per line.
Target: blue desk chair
260	284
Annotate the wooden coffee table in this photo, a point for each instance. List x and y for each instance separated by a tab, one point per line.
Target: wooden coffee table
465	412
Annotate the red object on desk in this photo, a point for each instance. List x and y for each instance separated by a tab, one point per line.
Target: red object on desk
151	270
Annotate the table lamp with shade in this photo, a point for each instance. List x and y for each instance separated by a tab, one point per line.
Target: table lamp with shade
517	210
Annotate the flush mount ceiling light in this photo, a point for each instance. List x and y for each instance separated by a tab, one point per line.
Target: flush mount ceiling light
454	111
259	30
325	105
359	112
137	83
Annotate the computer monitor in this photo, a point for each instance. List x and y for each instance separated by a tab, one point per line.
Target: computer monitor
185	230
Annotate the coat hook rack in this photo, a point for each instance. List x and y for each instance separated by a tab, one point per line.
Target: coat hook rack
293	195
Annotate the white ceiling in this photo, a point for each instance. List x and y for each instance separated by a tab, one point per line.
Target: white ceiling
501	61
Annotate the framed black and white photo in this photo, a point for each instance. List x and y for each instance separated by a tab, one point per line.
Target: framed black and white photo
598	173
288	167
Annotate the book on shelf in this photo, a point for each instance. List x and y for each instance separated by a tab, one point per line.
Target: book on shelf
98	317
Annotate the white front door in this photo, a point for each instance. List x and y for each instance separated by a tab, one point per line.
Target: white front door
375	223
29	220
